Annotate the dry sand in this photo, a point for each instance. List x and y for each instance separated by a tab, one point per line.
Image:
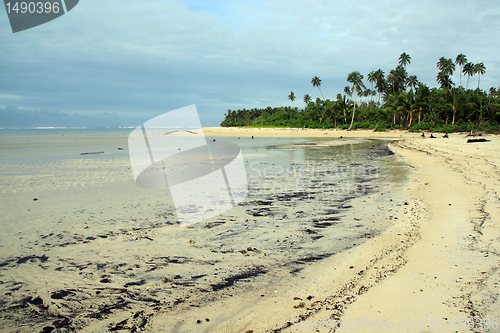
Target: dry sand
307	132
438	263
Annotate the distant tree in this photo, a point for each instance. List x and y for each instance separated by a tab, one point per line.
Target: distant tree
461	60
381	83
412	82
336	110
446	68
404	59
469	70
372	78
343	103
391	78
446	65
361	93
493	92
444	80
291	97
316	82
454	101
480	70
357	83
307	99
347	91
422	99
408	104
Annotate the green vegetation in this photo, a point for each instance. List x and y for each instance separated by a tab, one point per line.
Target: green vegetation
402	103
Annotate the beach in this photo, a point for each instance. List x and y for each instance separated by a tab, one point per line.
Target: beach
433	270
414	240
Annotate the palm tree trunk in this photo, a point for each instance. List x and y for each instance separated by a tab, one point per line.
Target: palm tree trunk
321	93
419	112
478	80
468	77
460	75
354	109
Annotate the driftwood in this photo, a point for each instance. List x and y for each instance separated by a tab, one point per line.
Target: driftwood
90	153
477	140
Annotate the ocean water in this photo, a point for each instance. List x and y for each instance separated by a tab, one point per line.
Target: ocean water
80	242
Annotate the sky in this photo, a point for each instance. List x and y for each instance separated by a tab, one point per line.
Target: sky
123	62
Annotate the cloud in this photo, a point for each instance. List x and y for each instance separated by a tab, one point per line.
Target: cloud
141	59
14	117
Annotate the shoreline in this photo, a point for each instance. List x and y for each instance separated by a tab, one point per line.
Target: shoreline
319	133
305	133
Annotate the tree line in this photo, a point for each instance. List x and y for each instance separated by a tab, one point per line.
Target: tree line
395	100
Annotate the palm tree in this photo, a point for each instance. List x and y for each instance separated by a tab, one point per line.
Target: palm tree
307	99
392	104
461	60
469	70
361	93
422	99
406	104
381	84
493	92
454	102
356	79
404	59
291	97
392	77
371	77
316	82
446	67
347	91
343	103
412	82
336	110
444	80
479	69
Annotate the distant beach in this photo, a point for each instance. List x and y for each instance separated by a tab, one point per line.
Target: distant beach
337	225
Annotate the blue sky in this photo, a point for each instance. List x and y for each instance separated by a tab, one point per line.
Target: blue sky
122	62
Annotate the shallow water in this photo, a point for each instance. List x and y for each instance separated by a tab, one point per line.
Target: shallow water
94	244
